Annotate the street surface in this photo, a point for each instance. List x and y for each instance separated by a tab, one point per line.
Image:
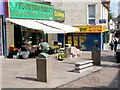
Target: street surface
21	73
106	78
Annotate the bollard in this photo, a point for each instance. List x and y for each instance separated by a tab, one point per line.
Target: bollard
44	64
96	56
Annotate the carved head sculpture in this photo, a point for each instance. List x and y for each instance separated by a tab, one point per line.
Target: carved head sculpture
44	47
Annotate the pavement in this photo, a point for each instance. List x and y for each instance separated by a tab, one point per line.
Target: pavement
21	73
107	78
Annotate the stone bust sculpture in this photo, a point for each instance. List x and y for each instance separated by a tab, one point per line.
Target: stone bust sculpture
96	43
45	48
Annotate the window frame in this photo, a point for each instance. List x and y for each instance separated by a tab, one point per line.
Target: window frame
88	18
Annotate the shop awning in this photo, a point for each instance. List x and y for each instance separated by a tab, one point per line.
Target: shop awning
46	26
66	28
35	25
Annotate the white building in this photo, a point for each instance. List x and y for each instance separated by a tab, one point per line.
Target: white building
90	16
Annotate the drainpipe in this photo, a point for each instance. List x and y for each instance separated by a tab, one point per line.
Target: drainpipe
4	33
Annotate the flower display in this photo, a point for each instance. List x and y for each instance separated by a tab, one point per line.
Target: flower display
13	50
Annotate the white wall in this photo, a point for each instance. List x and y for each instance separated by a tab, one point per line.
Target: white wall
104	14
112	24
76	13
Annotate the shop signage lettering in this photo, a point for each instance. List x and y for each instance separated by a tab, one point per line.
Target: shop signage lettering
89	29
82	29
59	15
31	10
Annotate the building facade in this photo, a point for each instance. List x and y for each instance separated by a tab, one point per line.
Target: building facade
16	32
91	17
22	23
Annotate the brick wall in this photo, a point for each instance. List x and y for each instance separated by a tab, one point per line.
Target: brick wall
10	33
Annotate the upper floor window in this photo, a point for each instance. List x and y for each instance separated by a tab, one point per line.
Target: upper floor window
118	27
91	14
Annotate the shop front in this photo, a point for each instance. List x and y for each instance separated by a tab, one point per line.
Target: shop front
29	21
85	37
21	24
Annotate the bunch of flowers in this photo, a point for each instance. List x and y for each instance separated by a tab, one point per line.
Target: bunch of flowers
13	50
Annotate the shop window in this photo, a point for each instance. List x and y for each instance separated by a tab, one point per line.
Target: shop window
118	26
70	40
83	41
75	40
32	36
91	21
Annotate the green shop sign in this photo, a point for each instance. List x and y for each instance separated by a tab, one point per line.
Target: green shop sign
59	15
30	10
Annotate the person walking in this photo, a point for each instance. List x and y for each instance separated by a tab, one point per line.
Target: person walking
112	44
115	45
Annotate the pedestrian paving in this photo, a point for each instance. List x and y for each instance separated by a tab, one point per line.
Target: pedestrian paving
21	73
108	77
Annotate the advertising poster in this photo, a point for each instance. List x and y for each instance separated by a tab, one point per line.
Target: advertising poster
70	40
75	41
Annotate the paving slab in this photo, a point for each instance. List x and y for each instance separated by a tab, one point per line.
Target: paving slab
21	73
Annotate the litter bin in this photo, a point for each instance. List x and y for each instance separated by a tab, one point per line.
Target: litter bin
67	50
44	69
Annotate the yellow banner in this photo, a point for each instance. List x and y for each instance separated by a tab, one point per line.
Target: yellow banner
91	29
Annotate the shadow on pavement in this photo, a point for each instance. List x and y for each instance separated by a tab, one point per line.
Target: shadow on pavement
108	58
27	78
98	88
87	88
69	62
110	66
117	78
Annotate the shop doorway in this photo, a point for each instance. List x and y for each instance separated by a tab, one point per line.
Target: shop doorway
77	40
17	36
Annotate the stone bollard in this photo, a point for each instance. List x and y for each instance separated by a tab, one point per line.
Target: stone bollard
44	64
44	69
96	56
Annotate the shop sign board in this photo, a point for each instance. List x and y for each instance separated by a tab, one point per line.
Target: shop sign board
30	10
91	29
59	15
